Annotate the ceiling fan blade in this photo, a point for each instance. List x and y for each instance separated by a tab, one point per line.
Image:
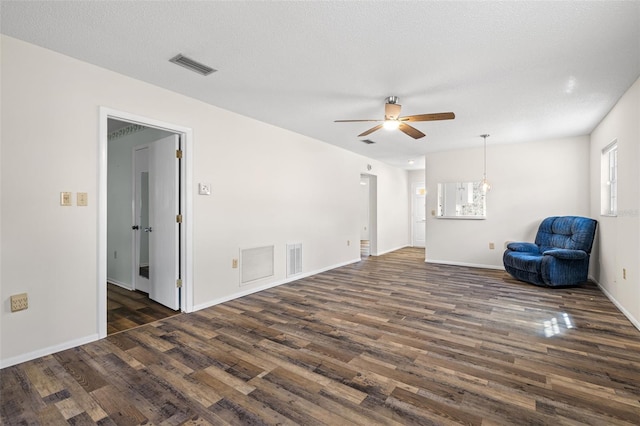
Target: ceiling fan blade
352	121
429	117
411	131
371	130
392	111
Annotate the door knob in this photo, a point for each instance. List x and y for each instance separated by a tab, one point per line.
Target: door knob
135	227
149	229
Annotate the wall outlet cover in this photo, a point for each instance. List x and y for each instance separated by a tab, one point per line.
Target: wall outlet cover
204	189
19	302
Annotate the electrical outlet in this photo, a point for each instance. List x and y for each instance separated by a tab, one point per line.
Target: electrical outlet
234	263
19	302
348	242
492	246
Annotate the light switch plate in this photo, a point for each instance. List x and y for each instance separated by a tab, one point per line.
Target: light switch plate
82	199
204	189
65	199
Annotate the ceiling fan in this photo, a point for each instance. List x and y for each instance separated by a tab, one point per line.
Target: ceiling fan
392	119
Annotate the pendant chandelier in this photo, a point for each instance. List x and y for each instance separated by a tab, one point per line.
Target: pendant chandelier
486	186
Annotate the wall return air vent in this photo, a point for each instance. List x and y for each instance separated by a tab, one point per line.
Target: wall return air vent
256	264
294	259
192	65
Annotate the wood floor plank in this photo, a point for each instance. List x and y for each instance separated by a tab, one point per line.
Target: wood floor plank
388	340
128	309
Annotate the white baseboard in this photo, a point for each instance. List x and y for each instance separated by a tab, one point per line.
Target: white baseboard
622	309
471	265
380	253
120	284
269	285
47	351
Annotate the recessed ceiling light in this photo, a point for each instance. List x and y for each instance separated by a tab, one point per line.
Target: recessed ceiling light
411	162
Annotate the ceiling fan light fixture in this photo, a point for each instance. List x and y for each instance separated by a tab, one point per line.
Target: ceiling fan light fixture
391	124
393	120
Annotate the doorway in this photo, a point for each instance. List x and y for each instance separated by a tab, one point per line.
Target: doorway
368	216
145	219
169	153
418	214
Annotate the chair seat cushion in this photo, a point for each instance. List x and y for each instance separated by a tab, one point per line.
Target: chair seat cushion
523	261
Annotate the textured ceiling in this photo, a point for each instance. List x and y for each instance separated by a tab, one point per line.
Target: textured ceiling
521	71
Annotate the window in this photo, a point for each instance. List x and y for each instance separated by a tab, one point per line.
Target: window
610	179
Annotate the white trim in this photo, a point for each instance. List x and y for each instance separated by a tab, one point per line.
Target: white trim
470	265
380	253
47	351
613	144
120	284
186	206
271	285
618	305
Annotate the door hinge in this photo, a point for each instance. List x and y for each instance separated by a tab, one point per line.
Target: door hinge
179	218
179	153
179	283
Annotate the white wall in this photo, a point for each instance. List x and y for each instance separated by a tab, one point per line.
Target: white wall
530	181
618	244
269	186
393	203
416	176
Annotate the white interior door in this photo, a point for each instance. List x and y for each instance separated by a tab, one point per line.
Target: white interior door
419	214
141	219
163	229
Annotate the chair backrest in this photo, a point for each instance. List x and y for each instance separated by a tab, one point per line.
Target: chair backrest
567	232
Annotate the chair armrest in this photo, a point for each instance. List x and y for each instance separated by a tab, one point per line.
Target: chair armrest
566	254
523	247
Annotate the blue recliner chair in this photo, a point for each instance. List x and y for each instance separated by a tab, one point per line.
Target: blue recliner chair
560	255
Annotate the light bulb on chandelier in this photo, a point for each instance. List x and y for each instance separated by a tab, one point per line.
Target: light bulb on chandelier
486	186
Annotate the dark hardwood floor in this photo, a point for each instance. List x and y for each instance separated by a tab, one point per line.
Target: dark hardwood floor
128	309
389	340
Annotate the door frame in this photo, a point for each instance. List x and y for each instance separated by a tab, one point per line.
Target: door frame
186	237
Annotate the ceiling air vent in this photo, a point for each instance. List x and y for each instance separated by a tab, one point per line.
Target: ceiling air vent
367	141
192	65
